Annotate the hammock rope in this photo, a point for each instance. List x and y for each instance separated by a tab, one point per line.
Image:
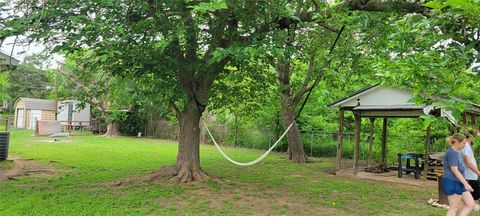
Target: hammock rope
251	162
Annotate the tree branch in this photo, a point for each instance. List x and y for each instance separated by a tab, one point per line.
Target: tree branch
191	37
175	109
385	6
70	77
317	6
307	79
354	5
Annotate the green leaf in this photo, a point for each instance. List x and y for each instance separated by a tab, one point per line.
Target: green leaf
103	58
120	30
427	121
296	18
231	68
435	5
317	17
206	7
252	51
459	3
217	55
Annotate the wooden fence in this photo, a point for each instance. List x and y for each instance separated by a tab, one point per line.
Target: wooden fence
6	122
162	129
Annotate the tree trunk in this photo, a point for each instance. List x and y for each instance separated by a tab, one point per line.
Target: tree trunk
187	168
296	153
112	129
277	126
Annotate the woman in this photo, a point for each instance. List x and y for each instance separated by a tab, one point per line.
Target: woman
471	169
453	183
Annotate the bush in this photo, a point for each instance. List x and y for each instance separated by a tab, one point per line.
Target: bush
134	123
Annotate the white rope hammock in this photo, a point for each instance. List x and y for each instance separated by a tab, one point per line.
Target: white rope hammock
251	162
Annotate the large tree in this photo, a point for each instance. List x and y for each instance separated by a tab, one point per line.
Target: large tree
187	44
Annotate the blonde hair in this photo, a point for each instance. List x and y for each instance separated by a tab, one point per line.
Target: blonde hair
456	137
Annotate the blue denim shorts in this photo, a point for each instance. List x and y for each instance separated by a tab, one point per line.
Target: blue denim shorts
451	187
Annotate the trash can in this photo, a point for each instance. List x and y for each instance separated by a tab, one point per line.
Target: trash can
4	139
442	197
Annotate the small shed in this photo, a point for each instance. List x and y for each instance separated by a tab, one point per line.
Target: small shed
70	111
387	102
28	110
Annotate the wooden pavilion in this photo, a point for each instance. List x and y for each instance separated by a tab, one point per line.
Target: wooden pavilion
385	102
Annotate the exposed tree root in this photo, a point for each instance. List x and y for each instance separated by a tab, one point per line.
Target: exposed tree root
172	174
109	134
300	159
112	130
185	174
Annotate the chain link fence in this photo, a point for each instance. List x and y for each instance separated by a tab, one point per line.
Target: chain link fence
317	143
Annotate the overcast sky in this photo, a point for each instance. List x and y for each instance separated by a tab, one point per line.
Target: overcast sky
20	51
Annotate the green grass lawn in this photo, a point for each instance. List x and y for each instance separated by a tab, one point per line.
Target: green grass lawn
86	164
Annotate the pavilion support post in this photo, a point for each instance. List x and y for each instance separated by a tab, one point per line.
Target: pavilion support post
384	141
358	125
427	152
370	142
465	121
474	122
341	118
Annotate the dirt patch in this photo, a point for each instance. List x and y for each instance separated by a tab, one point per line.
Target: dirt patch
225	195
65	141
219	195
25	167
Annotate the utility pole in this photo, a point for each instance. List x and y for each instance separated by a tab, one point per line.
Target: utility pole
56	92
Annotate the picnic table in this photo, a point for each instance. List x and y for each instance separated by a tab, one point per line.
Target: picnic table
408	166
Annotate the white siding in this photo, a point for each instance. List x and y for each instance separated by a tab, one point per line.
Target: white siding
78	116
380	97
81	115
62	111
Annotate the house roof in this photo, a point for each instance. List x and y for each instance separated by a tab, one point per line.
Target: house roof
376	95
8	60
38	104
350	96
379	99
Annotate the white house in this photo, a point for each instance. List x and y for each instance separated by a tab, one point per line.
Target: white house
70	110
